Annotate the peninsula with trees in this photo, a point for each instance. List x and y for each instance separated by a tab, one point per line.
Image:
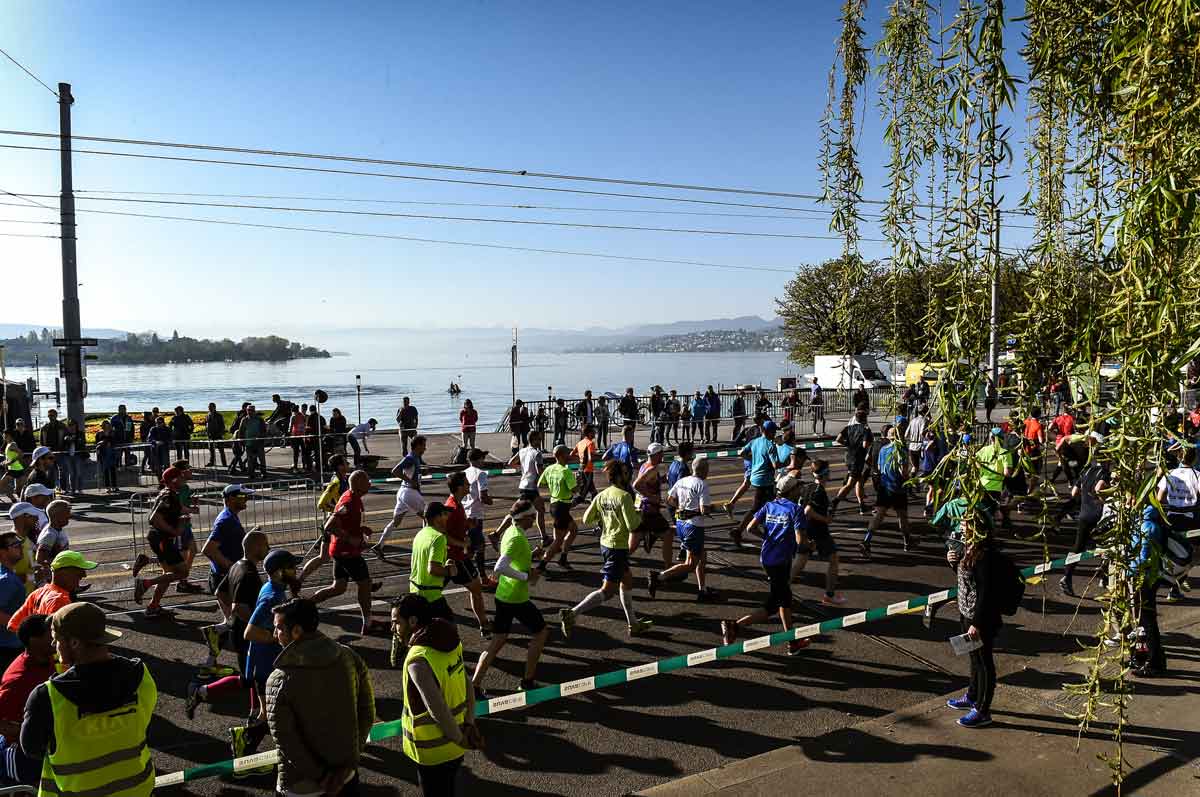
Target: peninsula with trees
149	348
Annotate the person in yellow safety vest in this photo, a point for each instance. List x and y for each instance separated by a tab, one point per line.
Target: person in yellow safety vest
88	724
439	701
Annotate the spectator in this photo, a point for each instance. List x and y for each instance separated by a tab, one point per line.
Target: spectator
541	422
281	415
518	424
159	438
468	420
560	422
658	403
235	431
254	430
978	603
122	430
358	437
12	595
182	427
296	439
685	418
107	457
315	430
407	418
699	411
33	666
144	427
74	454
601	422
320	741
339	427
585	410
712	414
214	430
738	409
89	723
860	398
52	434
68	569
674	409
628	407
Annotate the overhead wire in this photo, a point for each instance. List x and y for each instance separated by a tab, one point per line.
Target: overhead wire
24	69
27	199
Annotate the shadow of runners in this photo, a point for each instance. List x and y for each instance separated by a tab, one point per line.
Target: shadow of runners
854	746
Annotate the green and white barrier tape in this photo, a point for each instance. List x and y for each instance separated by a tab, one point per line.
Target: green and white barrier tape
544	694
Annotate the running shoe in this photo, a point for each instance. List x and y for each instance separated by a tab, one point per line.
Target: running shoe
728	632
1185	585
975	719
188	587
729	509
193	700
862	511
214	671
237	745
652	586
649	540
931	610
963	703
212	638
911	543
159	613
486	633
641	627
563	563
1174	596
1146	671
709	595
837	599
736	535
864	548
379	554
796	645
527	684
139	589
141	561
1066	588
566	621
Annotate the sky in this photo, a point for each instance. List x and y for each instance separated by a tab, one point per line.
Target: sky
707	93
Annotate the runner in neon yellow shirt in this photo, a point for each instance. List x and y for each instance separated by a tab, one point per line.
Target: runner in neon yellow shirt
559	481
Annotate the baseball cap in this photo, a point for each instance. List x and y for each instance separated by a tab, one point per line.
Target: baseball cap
655	448
171	473
997	431
23	508
786	484
769	428
82	621
72	559
40	452
233	489
36	490
279	559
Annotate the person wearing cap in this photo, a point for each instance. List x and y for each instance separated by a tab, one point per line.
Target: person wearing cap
25	518
995	465
320	741
620	521
186	541
648	487
166	519
892	465
349	538
1090	491
465	574
474	501
263	649
52	539
88	724
816	520
222	549
66	571
763	457
409	497
515	575
439	700
781	524
690	499
42	469
12	594
40	496
430	567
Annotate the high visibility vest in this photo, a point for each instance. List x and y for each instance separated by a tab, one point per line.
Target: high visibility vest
12	456
423	738
100	755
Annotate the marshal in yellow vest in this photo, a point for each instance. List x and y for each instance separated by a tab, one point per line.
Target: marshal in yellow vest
100	755
423	739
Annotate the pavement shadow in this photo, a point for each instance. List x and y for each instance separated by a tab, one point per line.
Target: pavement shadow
854	746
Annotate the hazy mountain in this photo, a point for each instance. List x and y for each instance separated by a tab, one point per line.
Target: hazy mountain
17	330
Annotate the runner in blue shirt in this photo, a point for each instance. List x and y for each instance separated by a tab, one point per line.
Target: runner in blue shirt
892	467
682	464
624	451
763	459
781	524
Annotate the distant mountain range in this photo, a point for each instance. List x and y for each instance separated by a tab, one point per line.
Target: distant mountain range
18	330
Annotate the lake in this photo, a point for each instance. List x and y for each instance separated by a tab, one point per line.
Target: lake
416	364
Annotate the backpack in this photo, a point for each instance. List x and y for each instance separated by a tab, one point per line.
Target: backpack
1010	586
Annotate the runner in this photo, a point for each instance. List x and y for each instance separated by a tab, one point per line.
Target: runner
223	549
585	451
165	526
613	509
624	451
429	567
816	519
515	575
529	460
682	464
559	481
890	495
476	499
326	503
648	487
763	458
186	542
690	499
995	465
457	542
408	497
1034	439
780	523
1093	482
346	548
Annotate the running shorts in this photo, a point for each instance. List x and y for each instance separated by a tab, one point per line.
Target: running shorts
408	500
475	533
350	568
561	512
691	537
529	494
164	548
440	608
653	522
218	583
763	495
464	572
822	542
856	467
526	613
887	499
780	594
615	563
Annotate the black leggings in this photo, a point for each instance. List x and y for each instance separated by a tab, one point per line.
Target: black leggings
1148	596
1085	524
439	780
983	669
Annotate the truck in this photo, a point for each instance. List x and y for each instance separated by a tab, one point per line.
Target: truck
848	371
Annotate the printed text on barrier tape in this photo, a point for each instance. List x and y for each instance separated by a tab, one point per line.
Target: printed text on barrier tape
387	730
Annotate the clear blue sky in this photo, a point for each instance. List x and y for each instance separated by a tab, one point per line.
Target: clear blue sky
698	92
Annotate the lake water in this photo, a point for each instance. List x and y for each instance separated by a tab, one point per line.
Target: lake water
416	364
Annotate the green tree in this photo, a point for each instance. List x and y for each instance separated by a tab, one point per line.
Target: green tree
809	309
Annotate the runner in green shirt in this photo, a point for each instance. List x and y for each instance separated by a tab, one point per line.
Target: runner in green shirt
515	575
995	465
559	481
619	522
429	566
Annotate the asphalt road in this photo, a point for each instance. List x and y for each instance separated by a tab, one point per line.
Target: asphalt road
636	735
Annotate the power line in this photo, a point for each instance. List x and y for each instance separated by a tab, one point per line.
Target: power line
27	235
352	234
318	170
26	71
474	219
27	221
27	199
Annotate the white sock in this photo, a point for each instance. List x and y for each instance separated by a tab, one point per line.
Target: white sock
627	605
383	535
593	600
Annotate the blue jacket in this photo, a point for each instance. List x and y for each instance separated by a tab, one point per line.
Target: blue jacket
699	408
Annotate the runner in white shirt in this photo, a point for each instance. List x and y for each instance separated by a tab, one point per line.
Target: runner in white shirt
1179	491
690	499
408	497
52	539
473	503
529	460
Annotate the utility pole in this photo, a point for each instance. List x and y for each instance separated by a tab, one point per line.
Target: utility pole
72	353
994	348
514	368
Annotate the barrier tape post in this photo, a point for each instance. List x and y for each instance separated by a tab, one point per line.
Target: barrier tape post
390	729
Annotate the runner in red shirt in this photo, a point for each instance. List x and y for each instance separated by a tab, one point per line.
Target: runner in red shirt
349	537
466	573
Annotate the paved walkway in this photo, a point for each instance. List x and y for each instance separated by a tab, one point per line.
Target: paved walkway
1032	748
